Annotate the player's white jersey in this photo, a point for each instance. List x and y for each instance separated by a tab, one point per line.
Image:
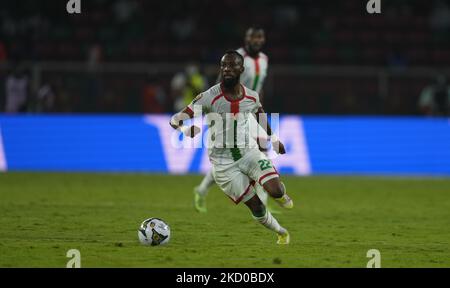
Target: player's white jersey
236	135
255	70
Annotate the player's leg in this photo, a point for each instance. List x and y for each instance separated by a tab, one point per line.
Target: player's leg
239	187
265	218
262	194
258	167
201	191
277	190
206	183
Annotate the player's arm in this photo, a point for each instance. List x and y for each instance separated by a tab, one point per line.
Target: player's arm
177	119
261	117
176	122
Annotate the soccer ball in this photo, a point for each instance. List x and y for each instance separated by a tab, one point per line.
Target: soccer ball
153	232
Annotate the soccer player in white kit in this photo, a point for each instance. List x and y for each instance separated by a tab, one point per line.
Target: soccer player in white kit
236	167
256	64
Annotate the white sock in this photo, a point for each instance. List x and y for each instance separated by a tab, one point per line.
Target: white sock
270	222
262	194
207	182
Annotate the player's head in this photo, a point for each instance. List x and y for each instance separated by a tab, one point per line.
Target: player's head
231	68
254	39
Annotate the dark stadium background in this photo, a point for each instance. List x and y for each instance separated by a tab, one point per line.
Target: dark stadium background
326	57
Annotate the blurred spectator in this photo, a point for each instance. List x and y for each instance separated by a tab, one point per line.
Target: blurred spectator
94	57
17	89
187	85
153	97
45	98
435	99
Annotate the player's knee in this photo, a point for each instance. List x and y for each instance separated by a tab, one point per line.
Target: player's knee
274	188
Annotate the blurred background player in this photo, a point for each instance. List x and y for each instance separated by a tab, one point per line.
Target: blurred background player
256	64
186	85
236	169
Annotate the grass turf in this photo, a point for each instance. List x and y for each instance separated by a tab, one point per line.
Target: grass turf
335	221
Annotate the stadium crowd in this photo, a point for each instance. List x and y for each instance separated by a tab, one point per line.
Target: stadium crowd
406	34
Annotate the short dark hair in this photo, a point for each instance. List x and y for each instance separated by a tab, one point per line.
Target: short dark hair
234	52
254	29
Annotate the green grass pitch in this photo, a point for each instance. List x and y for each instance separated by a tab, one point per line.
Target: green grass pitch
335	221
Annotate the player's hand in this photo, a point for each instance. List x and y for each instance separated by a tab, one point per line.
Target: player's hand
173	126
278	147
191	131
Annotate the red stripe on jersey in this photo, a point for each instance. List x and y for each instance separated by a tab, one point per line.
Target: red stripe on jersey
251	98
235	103
266	175
233	100
189	111
216	98
235	107
243	91
257	72
257	69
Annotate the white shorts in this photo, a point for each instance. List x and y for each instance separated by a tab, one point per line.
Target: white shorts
238	179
